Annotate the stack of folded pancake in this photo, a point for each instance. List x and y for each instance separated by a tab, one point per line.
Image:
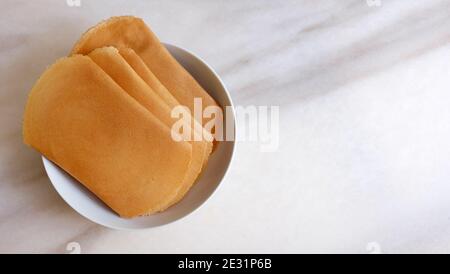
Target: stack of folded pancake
103	114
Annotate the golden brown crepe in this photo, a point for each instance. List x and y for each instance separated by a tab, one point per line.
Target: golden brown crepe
145	73
132	32
109	59
80	119
136	62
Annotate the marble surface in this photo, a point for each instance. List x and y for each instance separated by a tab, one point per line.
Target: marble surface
363	163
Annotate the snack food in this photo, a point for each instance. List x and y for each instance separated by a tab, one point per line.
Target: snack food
82	120
145	73
109	59
104	115
132	32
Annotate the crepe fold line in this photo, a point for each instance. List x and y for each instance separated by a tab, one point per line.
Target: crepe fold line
146	74
82	120
136	62
132	32
109	59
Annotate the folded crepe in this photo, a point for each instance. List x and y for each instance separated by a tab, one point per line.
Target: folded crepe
132	32
109	59
136	62
146	74
82	120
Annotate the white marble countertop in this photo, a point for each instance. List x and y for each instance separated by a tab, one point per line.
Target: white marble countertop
364	158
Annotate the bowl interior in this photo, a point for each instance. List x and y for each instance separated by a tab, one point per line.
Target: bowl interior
88	205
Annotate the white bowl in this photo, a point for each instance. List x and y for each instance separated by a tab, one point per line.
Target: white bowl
89	206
